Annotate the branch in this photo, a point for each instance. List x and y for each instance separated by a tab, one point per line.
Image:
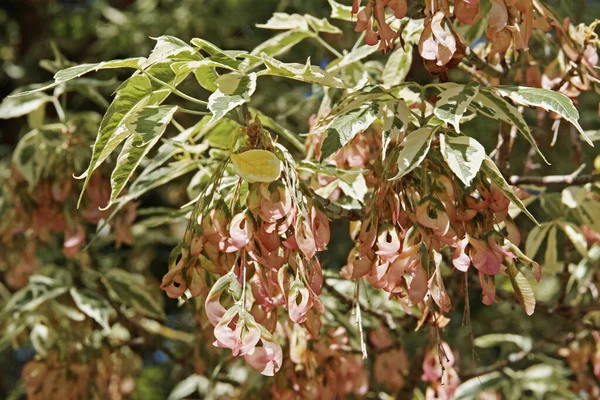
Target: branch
386	318
572	179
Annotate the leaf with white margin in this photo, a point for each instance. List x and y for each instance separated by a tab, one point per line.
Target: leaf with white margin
146	126
549	100
304	73
93	305
238	93
464	156
82	69
453	103
415	147
494	106
344	127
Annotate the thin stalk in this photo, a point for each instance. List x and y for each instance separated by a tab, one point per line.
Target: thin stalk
175	90
328	46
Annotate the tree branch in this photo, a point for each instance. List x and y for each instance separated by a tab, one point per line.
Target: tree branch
572	179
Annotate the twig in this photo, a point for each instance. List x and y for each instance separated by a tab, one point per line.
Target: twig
572	179
386	318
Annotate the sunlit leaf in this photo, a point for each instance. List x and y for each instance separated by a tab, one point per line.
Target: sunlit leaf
304	73
549	100
13	107
575	236
220	103
146	127
463	155
415	147
453	102
256	166
344	127
535	238
397	66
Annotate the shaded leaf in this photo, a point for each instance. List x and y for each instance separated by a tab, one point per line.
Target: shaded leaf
497	339
491	171
522	289
575	236
13	107
93	305
535	238
551	255
285	21
472	387
131	290
494	106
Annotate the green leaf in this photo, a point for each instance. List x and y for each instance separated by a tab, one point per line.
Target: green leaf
189	386
285	21
453	103
344	127
222	134
464	156
146	127
415	147
256	166
352	57
472	387
220	103
494	106
13	107
535	238
497	339
551	256
167	46
548	100
397	66
575	236
321	25
522	289
304	73
132	96
489	168
82	69
132	290
279	44
93	305
341	11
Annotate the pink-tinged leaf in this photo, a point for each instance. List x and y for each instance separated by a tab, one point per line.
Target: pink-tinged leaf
438	292
320	228
355	6
418	286
214	309
297	310
498	16
388	241
400	8
266	359
460	259
466	12
488	286
241	230
305	238
367	235
484	258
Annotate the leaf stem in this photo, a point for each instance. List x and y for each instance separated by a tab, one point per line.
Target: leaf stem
193	112
328	46
175	90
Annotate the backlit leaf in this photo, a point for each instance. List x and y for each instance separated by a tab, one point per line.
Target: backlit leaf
256	166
